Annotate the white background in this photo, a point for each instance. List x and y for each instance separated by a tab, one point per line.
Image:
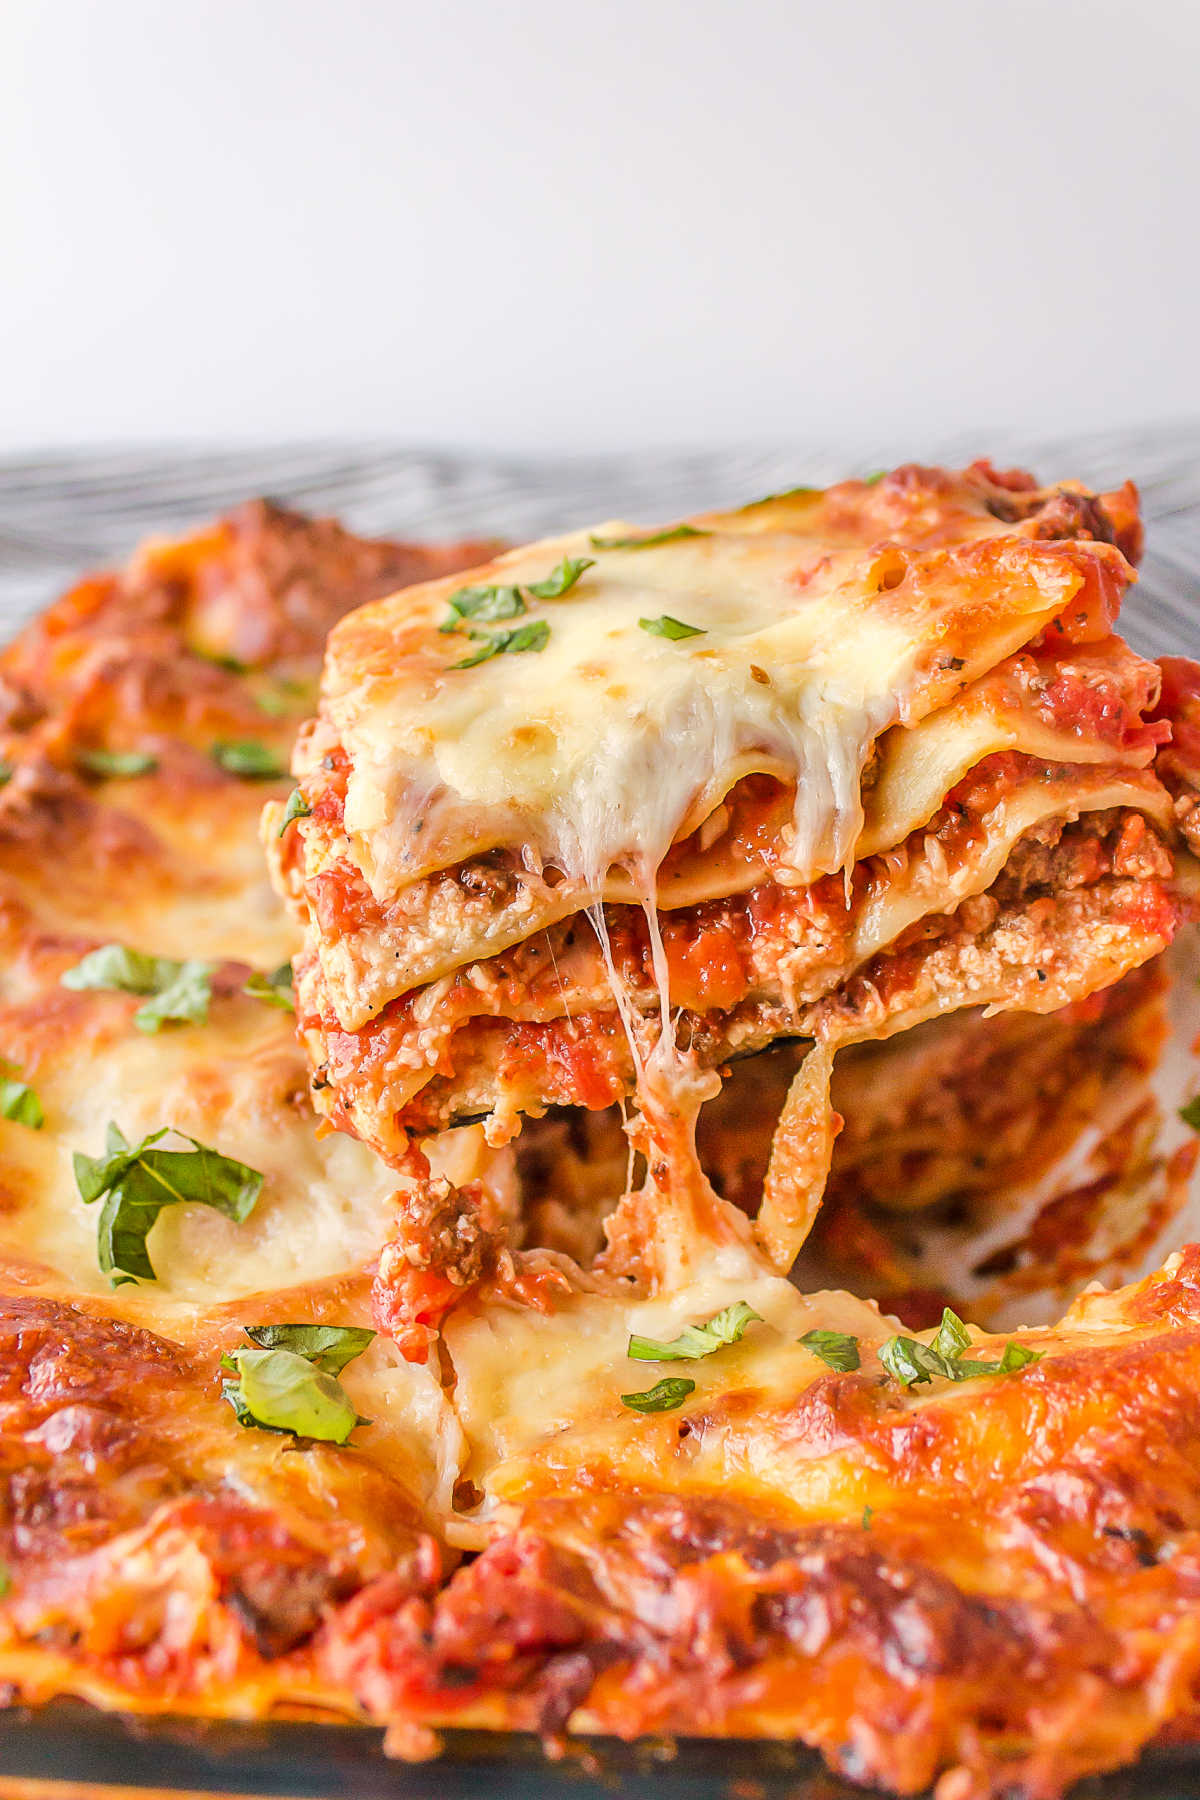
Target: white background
542	225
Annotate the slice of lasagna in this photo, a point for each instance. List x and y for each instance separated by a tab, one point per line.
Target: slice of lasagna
620	808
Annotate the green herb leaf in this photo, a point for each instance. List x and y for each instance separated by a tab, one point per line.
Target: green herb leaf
5	1579
664	1396
485	605
7	771
274	989
953	1339
792	493
128	971
837	1348
182	1001
181	990
912	1362
482	604
272	702
868	1513
277	1390
560	579
647	540
327	1347
666	626
1017	1356
19	1102
1190	1114
533	636
249	760
489	648
694	1341
116	765
874	478
297	808
138	1182
285	694
219	660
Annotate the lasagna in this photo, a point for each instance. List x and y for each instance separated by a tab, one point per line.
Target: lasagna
498	1407
620	809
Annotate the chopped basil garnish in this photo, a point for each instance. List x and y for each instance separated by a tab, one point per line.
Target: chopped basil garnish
868	1513
288	1382
694	1341
664	1396
561	578
533	636
7	771
874	478
276	1390
911	1361
953	1339
837	1348
273	989
297	808
116	765
231	664
646	540
272	703
483	604
1190	1114
487	605
18	1100
1015	1356
666	626
249	760
181	990
183	1000
327	1347
792	493
138	1182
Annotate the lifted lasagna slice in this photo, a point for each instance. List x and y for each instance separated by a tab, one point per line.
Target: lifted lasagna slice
627	805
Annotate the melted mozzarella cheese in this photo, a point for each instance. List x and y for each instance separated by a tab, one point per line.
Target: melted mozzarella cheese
445	926
236	1084
597	749
538	1391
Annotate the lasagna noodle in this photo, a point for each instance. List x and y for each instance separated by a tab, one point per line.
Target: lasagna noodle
441	922
599	748
988	1163
773	960
812	684
984	1162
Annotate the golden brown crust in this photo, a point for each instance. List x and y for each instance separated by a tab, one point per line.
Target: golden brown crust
152	1545
1001	1591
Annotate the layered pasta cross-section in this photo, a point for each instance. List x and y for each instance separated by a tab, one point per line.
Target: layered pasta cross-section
616	811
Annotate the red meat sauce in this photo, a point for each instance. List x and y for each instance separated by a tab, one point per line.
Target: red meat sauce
1098	697
708	947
